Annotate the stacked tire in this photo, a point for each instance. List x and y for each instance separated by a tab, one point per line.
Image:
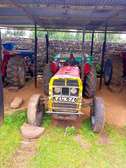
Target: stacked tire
16	72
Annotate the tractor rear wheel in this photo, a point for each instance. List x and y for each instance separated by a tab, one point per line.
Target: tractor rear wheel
89	84
36	110
16	71
97	115
47	74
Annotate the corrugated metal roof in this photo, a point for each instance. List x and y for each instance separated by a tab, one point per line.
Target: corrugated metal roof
65	14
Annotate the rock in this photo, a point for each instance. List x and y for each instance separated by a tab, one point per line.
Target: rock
13	88
31	132
16	103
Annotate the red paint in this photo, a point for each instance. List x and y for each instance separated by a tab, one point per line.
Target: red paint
5	62
87	68
54	67
72	71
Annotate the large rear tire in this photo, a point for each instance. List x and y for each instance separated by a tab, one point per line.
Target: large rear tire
47	74
16	71
35	110
89	84
97	115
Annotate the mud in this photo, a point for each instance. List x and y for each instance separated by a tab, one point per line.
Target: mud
115	103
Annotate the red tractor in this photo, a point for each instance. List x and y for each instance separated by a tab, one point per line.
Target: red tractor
16	65
66	87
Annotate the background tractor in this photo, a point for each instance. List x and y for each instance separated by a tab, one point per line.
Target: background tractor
67	81
17	65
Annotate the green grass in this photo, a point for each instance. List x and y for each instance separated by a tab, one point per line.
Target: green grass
55	150
10	136
58	151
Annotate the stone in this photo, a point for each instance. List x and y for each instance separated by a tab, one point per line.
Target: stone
16	103
13	88
31	132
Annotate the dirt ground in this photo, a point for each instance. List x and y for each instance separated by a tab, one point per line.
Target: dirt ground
115	103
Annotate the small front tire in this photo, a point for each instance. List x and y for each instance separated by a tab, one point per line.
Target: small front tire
35	110
97	115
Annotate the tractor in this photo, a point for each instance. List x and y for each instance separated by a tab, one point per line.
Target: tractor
17	65
67	81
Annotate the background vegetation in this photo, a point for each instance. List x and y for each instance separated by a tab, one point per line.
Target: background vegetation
64	35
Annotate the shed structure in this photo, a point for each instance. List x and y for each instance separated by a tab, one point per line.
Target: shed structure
91	15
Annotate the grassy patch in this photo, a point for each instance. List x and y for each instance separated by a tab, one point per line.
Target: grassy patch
10	136
56	150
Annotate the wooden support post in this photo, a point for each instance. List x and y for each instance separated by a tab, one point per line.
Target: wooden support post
1	87
92	43
47	48
83	53
35	53
103	55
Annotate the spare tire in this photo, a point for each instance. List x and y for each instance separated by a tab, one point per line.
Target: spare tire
35	110
47	74
16	71
89	84
97	115
108	71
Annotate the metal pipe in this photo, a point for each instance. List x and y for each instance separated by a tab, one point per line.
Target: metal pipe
35	53
1	86
103	55
47	47
92	43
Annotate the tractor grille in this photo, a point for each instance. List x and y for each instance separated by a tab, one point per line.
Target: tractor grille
72	83
59	82
64	107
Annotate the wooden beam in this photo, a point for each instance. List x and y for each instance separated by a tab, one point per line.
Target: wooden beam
103	55
1	87
47	48
92	43
35	53
83	53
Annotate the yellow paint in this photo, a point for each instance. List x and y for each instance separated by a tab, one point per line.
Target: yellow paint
50	102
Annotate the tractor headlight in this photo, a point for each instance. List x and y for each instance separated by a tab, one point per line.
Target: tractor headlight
74	91
57	90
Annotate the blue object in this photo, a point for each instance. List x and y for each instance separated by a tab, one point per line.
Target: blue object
26	53
108	70
9	46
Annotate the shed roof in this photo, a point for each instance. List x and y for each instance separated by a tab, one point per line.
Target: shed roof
65	14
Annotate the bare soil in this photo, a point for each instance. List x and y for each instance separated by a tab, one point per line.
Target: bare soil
82	143
26	92
115	103
26	151
104	138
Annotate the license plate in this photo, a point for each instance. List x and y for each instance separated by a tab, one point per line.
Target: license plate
65	99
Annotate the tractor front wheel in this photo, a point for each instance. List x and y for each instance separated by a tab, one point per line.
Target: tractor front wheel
36	110
97	115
